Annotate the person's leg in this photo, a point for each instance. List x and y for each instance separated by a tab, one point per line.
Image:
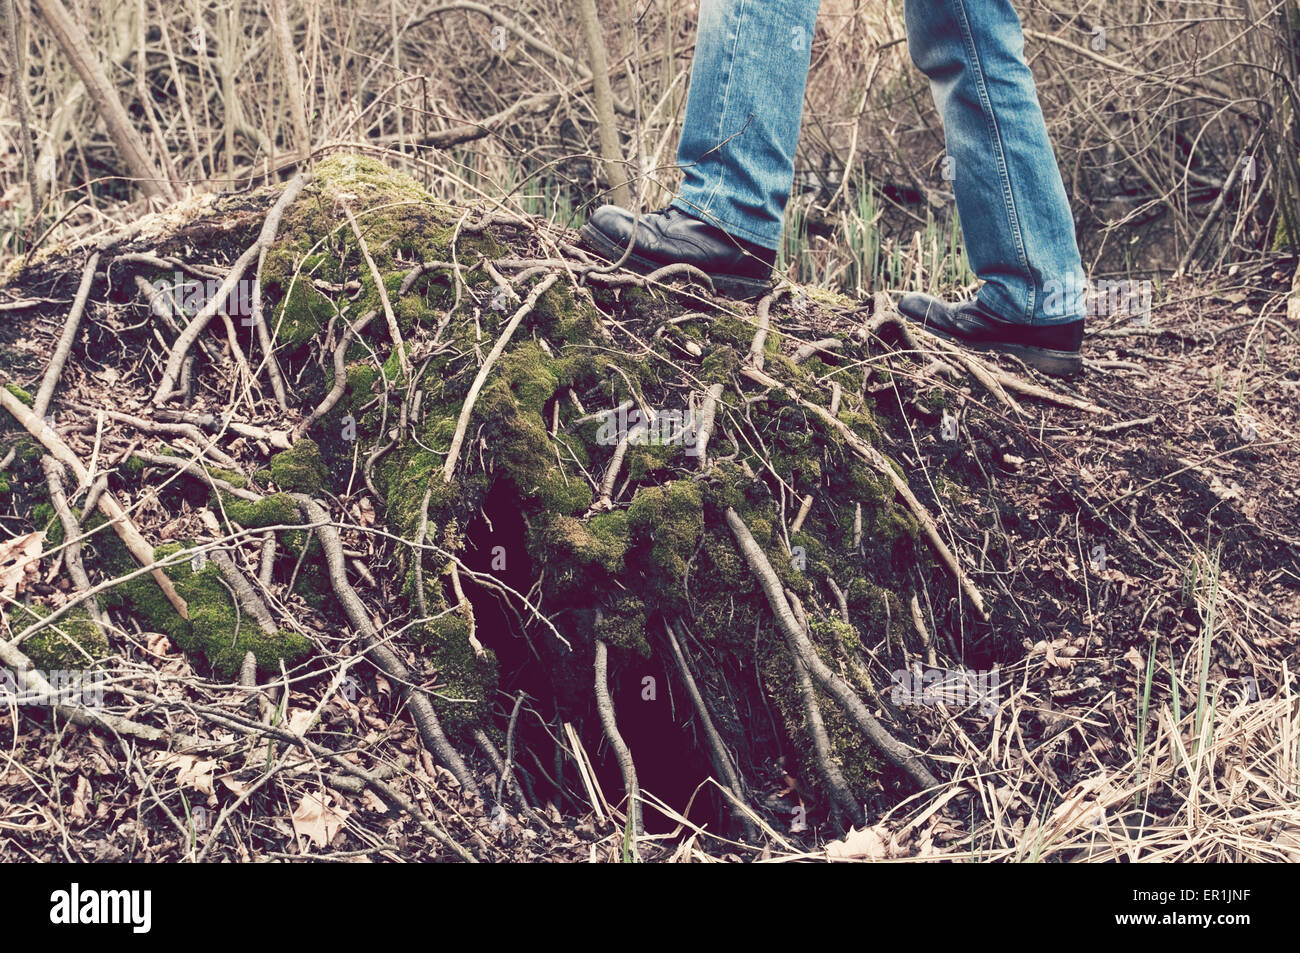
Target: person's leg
743	112
1012	204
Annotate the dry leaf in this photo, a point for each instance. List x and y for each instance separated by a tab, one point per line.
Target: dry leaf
315	819
300	719
191	771
866	844
364	512
79	798
19	558
238	788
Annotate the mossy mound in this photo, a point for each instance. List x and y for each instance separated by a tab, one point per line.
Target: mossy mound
661	550
578	507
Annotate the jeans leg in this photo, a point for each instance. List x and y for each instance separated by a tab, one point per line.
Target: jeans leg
743	112
1014	212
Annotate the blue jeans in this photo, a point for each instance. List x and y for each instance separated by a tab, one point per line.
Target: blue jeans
745	106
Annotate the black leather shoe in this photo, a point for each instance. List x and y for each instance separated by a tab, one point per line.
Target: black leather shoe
1053	349
739	269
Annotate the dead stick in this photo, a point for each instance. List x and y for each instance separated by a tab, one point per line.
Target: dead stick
467	409
73	536
69	335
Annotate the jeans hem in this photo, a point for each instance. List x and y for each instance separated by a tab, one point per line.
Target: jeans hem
731	227
989	299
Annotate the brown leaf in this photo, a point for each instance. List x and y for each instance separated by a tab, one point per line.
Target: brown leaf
300	719
316	819
79	798
191	771
19	559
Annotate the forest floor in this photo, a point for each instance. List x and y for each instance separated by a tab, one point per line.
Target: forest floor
1142	565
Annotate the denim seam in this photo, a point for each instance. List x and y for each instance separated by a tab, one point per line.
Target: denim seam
986	102
732	44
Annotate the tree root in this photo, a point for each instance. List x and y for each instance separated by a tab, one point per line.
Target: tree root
802	648
467	409
135	543
214	304
72	536
61	351
386	659
722	762
883	467
842	800
605	705
245	593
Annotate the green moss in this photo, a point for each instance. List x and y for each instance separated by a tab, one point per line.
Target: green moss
300	468
44	517
624	626
665	524
361	383
21	394
581	556
73	643
530	374
466	680
215	631
561	318
720	365
302	313
229	476
273	510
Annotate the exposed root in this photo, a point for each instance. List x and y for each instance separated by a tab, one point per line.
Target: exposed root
467	409
245	593
121	521
265	239
384	657
72	535
64	347
799	644
605	705
722	761
394	331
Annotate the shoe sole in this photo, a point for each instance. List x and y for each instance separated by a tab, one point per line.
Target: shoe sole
737	287
1049	361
